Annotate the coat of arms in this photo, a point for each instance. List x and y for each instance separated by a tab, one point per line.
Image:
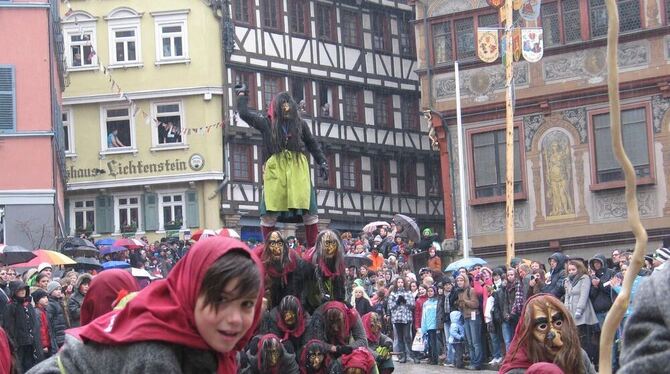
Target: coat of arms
487	44
531	41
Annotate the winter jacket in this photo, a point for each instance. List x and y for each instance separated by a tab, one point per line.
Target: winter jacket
557	276
456	331
646	347
435	263
468	301
633	290
317	330
577	300
21	321
511	299
143	357
601	296
418	310
443	310
362	306
401	311
429	315
56	316
75	301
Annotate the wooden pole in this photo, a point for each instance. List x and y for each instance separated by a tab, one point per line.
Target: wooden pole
618	309
509	132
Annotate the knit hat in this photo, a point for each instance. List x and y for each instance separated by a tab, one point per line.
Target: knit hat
378	239
662	254
53	286
38	294
44	265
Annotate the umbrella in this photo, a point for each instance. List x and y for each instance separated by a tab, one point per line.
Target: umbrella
228	233
50	257
14	254
83	251
465	263
105	242
356	260
410	229
372	226
115	265
76	242
141	273
112	249
129	243
202	233
87	263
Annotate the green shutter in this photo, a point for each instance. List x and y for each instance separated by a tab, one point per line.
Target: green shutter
192	213
66	216
150	201
104	214
7	99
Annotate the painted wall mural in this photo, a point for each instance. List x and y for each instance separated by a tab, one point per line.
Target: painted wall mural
557	172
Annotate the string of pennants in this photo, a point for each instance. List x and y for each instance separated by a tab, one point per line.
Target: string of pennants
526	41
134	108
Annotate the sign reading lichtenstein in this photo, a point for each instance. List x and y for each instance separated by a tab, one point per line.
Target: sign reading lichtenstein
115	168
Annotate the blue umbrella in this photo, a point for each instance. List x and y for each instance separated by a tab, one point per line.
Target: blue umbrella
465	263
112	249
105	241
115	265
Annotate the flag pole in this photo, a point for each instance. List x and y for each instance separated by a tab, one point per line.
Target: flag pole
509	132
461	167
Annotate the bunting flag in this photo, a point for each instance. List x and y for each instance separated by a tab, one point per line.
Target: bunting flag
532	46
496	3
530	9
487	44
516	43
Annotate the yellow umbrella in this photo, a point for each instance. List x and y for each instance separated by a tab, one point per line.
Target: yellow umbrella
50	257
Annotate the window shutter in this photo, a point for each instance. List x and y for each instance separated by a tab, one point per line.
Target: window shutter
192	214
66	216
150	201
104	214
7	99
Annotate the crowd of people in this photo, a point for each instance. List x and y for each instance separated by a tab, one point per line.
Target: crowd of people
281	307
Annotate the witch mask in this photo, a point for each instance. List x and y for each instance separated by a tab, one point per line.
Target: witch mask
271	352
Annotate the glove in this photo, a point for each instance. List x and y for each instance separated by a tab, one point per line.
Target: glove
241	88
323	171
343	350
401	300
383	352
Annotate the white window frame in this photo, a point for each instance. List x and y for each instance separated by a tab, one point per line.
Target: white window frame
103	131
75	24
117	207
161	205
74	210
167	19
124	19
156	146
69	129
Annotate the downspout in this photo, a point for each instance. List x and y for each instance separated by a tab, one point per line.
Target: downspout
54	146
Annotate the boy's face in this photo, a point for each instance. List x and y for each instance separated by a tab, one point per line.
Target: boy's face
57	293
44	301
21	293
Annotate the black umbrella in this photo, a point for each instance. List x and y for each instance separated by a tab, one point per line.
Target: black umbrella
357	261
409	228
81	251
87	263
14	254
76	242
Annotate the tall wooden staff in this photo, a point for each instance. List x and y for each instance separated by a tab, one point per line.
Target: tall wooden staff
509	135
620	305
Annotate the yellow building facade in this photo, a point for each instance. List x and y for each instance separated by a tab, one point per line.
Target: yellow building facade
142	116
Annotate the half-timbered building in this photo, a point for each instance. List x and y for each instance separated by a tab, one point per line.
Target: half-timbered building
350	66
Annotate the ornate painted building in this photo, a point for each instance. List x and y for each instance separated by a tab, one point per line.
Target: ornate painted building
569	191
350	64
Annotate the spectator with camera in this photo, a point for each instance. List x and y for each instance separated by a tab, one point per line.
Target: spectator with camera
601	291
400	305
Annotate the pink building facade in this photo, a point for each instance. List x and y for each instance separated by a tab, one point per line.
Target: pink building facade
31	132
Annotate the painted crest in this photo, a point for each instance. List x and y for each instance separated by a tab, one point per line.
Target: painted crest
531	40
496	3
530	9
516	43
487	44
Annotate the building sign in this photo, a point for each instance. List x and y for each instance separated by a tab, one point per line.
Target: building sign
116	168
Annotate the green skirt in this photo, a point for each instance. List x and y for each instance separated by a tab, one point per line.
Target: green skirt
287	186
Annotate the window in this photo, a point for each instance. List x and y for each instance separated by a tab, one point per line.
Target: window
80	41
350	170
433	177
249	79
330	183
455	40
442	43
118	128
325	22
380	33
383	109
352	105
68	131
407	176
409	112
406	34
84	216
243	11
350	22
328	105
635	129
241	162
465	38
561	22
298	16
169	126
489	163
667	12
125	45
272	14
171	37
171	212
124	37
629	16
7	98
380	175
300	91
128	214
272	85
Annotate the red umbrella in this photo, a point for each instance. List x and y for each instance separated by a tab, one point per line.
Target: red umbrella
228	233
204	233
129	243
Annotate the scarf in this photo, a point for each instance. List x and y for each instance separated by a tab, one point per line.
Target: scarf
349	314
367	324
303	358
297	330
360	358
104	290
288	268
165	311
259	351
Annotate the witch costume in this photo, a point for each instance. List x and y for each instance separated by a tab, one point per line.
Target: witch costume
288	321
